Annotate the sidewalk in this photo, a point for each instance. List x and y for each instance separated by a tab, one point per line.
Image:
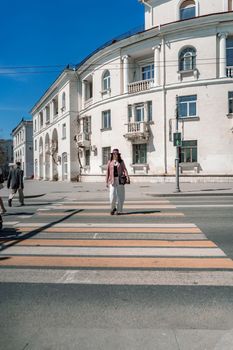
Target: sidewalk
98	190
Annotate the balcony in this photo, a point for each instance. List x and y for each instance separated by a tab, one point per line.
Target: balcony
141	85
230	72
137	131
83	140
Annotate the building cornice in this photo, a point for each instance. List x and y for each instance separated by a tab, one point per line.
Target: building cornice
21	124
65	75
220	18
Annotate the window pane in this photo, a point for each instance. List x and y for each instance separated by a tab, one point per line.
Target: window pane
183	110
231	106
192	109
149	106
187	13
188	98
188	63
105	155
148	72
194	155
106	120
139	154
188	155
189	143
230	51
139	117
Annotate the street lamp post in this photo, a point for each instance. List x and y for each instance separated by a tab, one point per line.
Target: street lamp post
177	145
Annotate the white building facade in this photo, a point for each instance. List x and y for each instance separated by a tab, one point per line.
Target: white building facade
131	94
23	147
54	129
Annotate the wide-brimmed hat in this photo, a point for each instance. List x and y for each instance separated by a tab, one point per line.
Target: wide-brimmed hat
115	150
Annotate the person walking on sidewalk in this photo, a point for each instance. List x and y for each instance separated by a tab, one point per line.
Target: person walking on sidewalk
116	170
2	207
15	183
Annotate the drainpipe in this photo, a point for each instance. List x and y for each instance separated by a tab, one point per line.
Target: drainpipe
164	105
151	10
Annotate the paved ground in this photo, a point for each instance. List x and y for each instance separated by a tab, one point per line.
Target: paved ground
158	277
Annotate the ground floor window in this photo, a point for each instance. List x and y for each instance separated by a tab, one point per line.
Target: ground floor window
106	151
140	153
188	152
64	166
230	102
36	168
87	157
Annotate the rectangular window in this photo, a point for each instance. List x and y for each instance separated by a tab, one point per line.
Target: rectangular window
87	125
35	126
106	152
129	113
47	114
41	119
149	110
230	52
35	145
55	107
64	131
106	119
230	102
139	113
187	106
189	152
148	72
140	153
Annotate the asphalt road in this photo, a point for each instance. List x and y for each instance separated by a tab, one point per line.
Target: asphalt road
47	314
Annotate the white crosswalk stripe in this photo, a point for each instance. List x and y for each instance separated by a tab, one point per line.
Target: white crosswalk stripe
64	248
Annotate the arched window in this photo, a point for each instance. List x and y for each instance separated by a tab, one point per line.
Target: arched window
106	81
64	166
187	59
188	9
63	104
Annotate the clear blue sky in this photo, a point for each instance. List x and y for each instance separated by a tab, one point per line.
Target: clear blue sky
51	33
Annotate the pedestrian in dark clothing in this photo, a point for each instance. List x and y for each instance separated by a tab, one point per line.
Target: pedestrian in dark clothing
2	208
15	183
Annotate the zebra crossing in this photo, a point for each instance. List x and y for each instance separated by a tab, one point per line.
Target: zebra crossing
79	242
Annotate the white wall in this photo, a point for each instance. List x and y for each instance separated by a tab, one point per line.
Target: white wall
167	11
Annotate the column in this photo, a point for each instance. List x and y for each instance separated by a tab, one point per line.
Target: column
156	64
125	60
222	54
83	93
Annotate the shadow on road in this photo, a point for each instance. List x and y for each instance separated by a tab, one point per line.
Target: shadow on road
145	212
10	237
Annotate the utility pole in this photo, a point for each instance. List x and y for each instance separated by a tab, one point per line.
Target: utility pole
177	144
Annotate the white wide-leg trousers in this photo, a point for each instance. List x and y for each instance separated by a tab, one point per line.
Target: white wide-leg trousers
117	195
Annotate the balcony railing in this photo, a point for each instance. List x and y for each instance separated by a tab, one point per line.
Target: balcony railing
137	130
83	139
230	72
141	85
